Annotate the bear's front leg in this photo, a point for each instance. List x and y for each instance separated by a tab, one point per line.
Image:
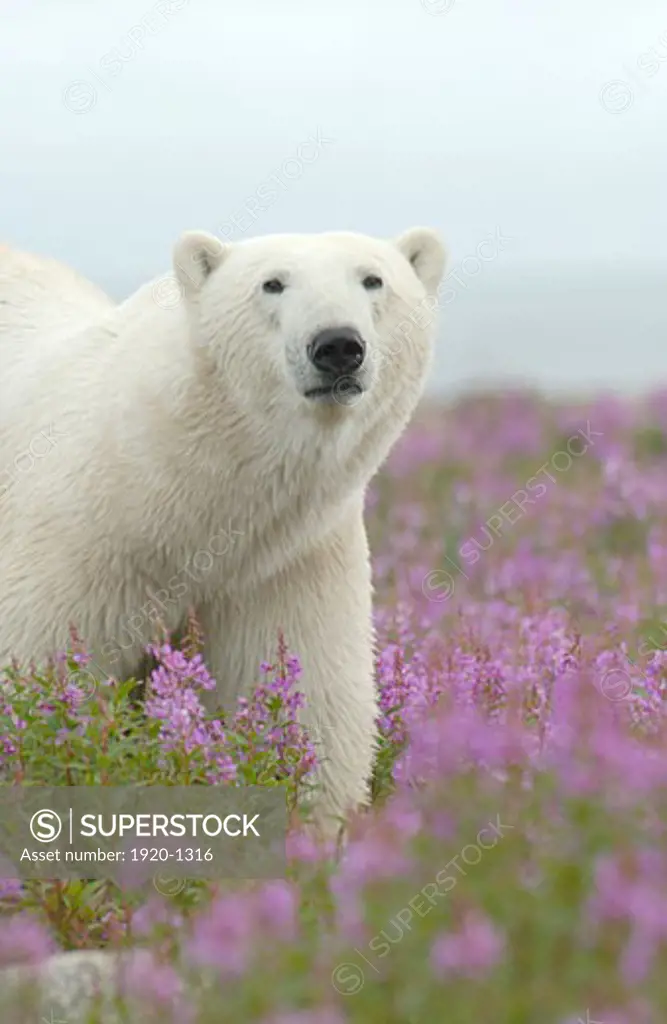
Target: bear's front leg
322	605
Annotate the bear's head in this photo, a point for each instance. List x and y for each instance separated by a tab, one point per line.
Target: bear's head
326	326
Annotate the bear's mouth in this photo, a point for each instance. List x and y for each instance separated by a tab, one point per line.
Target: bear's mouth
338	391
325	392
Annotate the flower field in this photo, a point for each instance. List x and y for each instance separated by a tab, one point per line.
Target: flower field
513	866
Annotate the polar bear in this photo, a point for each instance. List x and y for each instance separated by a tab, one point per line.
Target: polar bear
207	443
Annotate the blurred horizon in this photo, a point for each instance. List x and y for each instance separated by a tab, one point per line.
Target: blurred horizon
559	328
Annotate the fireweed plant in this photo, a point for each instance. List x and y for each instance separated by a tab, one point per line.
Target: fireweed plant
513	864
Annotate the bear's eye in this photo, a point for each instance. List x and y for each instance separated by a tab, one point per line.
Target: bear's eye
372	281
273	286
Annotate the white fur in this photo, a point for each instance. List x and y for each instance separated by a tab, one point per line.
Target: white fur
179	430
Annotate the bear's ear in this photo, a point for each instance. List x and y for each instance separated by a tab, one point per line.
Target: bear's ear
196	256
426	254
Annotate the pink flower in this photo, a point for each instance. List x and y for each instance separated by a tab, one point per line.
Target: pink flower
222	936
157	986
321	1015
24	940
276	910
472	952
302	846
152	915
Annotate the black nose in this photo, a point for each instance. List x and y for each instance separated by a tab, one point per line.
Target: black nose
337	350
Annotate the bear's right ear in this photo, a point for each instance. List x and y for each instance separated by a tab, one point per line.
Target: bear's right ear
196	256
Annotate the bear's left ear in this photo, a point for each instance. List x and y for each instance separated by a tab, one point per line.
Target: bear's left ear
426	254
196	256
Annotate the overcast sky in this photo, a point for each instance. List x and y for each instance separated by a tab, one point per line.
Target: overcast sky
123	123
463	114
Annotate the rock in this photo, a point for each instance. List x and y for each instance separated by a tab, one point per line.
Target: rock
63	990
84	988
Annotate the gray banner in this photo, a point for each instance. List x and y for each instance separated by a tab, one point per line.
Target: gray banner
132	834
